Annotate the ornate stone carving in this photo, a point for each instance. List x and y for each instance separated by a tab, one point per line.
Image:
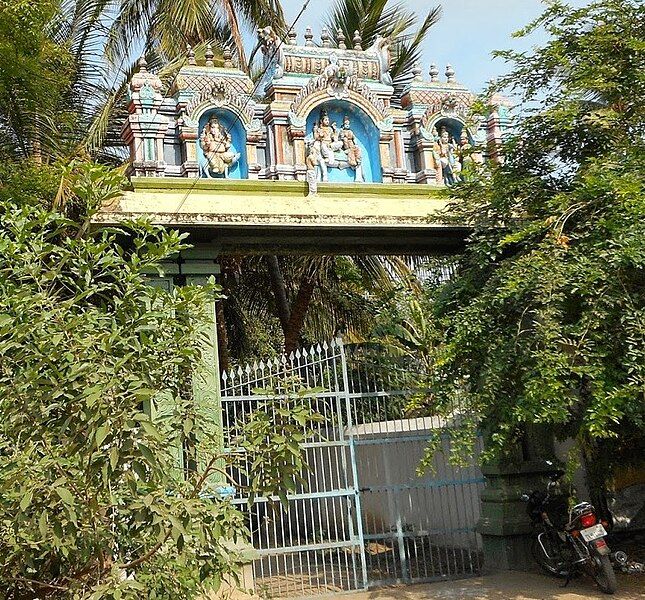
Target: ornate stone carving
469	157
305	61
147	92
446	149
198	79
273	50
381	48
337	78
386	124
336	82
448	104
312	160
296	121
219	96
143	79
330	148
453	106
348	139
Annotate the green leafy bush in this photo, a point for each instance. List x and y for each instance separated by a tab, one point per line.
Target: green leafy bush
544	324
94	501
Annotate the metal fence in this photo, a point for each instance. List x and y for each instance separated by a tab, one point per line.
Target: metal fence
362	517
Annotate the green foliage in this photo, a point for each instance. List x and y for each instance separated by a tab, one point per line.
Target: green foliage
545	322
272	438
35	74
93	503
344	294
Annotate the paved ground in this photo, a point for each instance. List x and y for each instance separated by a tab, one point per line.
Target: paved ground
509	586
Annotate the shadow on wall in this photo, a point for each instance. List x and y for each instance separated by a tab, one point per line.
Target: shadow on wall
365	131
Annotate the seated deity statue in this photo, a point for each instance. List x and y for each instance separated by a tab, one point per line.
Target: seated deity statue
347	137
216	142
334	149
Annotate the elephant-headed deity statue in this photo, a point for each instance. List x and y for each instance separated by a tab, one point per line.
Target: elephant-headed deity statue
216	143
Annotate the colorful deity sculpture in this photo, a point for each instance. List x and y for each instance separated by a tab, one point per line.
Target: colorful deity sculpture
348	139
446	150
216	142
469	157
334	149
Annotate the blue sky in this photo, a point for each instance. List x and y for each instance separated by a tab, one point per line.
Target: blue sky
468	32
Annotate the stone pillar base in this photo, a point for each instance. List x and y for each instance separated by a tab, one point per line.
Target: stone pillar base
504	524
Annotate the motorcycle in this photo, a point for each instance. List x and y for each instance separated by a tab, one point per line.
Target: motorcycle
569	541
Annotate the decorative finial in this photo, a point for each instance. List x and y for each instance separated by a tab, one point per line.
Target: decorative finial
434	72
293	37
309	37
450	74
340	36
325	38
142	64
209	55
416	71
358	41
191	55
228	56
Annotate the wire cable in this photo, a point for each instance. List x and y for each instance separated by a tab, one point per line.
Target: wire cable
251	95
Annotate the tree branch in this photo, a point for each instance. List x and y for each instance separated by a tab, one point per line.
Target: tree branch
279	291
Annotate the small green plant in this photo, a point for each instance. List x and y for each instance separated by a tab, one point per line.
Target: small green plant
273	436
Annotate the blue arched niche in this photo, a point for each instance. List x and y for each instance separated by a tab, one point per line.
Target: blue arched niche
231	122
367	138
454	128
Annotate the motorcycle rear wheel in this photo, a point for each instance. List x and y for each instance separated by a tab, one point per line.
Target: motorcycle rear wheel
556	566
603	574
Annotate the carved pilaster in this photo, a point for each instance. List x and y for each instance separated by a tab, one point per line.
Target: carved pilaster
145	128
188	136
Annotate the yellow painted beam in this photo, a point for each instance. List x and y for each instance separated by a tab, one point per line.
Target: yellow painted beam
203	203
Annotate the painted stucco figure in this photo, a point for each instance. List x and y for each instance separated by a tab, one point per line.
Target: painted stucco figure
386	138
312	161
348	139
469	157
334	148
216	142
381	47
446	149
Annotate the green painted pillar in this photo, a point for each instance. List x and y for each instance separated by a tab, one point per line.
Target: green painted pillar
206	389
504	524
206	435
505	527
163	406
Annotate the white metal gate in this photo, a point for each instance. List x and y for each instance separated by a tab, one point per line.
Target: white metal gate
363	518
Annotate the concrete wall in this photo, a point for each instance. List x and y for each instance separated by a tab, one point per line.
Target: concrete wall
446	498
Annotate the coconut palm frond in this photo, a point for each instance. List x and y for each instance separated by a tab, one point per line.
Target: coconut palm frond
104	128
407	50
373	18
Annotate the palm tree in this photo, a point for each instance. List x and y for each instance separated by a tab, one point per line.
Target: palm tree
276	303
60	97
51	81
372	18
168	26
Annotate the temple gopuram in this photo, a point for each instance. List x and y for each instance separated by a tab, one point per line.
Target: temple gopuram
321	145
